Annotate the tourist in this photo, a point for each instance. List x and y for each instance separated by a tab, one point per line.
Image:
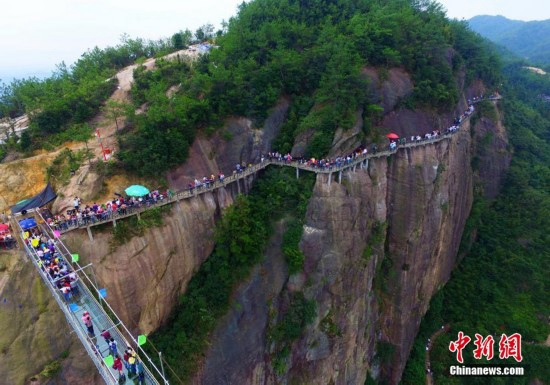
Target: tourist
87	320
117	365
106	335
113	346
66	293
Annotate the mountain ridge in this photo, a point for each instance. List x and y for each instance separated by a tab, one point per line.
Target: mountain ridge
527	39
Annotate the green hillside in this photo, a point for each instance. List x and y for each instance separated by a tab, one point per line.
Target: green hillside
529	40
311	51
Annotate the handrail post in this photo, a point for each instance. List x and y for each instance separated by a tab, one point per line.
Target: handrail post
162	368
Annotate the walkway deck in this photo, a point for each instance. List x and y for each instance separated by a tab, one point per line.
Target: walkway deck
103	316
361	161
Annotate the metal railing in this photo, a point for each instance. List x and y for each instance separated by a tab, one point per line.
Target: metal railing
69	225
96	307
71	317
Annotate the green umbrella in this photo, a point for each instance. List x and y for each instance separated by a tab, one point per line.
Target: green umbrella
142	339
136	190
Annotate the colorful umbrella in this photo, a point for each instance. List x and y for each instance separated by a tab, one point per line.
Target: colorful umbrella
3	227
392	136
27	223
136	190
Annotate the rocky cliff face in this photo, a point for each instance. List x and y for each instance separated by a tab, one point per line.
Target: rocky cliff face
144	277
377	247
147	274
493	153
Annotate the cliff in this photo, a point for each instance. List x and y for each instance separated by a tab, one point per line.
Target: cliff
36	344
377	247
144	277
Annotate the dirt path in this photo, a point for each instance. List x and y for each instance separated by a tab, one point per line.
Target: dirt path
430	343
125	77
25	177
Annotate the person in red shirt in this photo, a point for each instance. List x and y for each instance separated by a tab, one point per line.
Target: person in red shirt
117	365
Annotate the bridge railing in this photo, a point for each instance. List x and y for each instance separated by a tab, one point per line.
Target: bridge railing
72	319
69	225
123	334
91	301
213	185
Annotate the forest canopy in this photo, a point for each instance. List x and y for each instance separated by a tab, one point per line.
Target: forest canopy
311	51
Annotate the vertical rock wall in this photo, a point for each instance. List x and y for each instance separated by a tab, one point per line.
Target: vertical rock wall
377	247
146	275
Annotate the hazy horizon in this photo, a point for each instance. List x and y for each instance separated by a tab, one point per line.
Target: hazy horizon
62	30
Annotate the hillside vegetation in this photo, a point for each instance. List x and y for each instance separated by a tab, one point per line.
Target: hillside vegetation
62	105
529	40
311	51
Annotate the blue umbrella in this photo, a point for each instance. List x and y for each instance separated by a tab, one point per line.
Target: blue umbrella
136	190
27	223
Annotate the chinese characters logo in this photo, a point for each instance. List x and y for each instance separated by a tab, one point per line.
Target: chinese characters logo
508	347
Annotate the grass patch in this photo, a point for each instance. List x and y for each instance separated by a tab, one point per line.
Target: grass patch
131	227
291	239
51	369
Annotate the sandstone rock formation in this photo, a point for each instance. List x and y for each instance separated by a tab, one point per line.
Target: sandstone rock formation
419	200
377	247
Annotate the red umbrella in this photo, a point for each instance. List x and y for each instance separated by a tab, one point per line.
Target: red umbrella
392	136
3	226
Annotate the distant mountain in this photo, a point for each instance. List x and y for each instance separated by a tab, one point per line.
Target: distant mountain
528	39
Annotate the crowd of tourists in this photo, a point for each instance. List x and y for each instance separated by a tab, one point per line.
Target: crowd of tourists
83	215
324	163
339	161
51	261
91	213
129	359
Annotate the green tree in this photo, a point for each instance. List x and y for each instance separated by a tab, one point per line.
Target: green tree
177	41
114	109
204	32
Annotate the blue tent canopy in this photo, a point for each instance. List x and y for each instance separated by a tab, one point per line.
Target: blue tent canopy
28	223
47	195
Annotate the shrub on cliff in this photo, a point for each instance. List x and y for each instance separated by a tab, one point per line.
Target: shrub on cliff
241	237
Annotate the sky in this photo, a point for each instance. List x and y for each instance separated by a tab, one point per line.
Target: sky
35	35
